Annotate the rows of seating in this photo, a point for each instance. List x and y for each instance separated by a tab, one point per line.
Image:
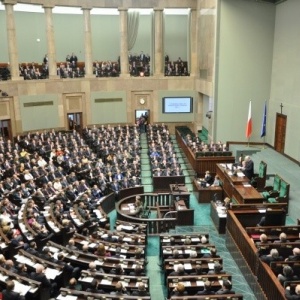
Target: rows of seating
193	267
278	192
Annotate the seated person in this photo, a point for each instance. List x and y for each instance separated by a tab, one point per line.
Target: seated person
141	290
119	289
292	296
74	285
295	256
287	275
9	293
217	269
217	181
207	289
226	288
208	178
179	290
198	271
273	256
282	238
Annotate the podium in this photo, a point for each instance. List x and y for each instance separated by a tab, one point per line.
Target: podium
180	191
185	216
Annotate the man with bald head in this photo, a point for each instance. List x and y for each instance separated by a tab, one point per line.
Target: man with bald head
292	296
295	256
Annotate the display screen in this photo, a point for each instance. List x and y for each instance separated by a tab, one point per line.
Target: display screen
174	105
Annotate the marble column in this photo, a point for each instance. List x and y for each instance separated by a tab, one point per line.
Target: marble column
12	40
194	67
124	42
50	42
158	42
88	42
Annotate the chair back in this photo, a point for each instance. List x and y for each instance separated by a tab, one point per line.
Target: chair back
284	189
276	183
262	170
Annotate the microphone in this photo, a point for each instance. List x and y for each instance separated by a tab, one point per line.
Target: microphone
215	197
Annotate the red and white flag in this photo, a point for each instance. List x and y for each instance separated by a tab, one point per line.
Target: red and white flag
249	123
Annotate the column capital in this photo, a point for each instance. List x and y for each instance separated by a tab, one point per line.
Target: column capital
48	5
9	2
86	7
122	9
158	9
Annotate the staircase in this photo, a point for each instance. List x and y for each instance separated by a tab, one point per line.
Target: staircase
146	174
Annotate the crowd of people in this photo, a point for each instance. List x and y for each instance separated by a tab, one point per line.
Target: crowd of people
289	272
176	68
106	68
33	71
164	161
139	65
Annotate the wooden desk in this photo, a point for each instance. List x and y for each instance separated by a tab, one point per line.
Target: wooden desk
181	191
162	183
185	216
229	181
218	217
247	194
202	164
206	194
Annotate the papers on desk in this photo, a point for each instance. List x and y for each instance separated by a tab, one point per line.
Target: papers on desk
125	208
230	173
221	282
127	227
3	245
123	250
87	279
20	288
51	273
92	245
187	283
166	240
229	166
211	266
187	251
98	262
262	211
187	266
24	260
53	249
84	242
200	283
67	297
195	239
247	185
125	283
127	239
240	174
3	277
105	281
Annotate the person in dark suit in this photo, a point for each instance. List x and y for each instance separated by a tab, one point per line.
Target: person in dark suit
9	294
207	289
295	256
287	275
273	256
39	275
141	290
291	296
226	288
248	167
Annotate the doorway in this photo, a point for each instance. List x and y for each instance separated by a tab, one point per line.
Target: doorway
75	121
5	129
142	118
280	131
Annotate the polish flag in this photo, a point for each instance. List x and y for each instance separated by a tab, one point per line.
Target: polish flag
249	123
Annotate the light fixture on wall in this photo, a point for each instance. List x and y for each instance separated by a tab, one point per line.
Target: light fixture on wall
142	101
208	114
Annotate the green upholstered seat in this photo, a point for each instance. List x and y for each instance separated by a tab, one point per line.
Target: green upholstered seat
283	195
273	189
259	180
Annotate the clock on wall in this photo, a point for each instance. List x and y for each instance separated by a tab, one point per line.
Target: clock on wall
142	101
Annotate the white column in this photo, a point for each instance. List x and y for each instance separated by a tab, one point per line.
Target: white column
50	42
124	42
194	68
88	42
158	42
12	40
